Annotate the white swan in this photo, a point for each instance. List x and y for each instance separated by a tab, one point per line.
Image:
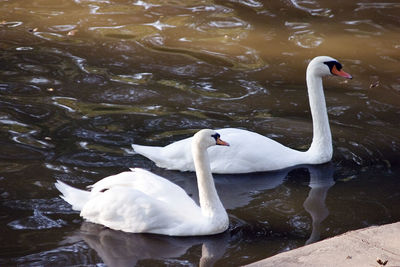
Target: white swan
142	202
251	152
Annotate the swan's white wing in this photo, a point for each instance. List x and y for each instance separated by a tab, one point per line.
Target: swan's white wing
248	152
130	210
148	183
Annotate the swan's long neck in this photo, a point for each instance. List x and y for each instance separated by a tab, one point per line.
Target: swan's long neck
321	146
210	203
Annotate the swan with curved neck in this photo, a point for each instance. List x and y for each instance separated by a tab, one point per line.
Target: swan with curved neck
251	152
142	202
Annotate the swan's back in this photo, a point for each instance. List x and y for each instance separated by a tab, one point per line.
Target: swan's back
251	152
147	182
248	152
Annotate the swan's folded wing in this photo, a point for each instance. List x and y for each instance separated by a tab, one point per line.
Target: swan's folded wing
148	183
130	210
250	152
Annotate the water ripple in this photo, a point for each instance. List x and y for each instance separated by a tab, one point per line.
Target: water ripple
37	221
364	28
145	5
63	28
362	6
303	37
66	255
42	206
249	3
59	38
314	8
11	24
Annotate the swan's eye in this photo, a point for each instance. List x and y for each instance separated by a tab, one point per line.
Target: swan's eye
331	64
216	136
338	66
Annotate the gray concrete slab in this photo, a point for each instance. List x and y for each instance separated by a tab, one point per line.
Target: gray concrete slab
372	246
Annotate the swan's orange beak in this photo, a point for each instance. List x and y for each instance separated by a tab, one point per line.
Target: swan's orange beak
221	142
340	73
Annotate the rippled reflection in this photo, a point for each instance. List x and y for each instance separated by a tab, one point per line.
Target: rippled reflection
121	249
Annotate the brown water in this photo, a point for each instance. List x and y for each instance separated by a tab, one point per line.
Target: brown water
82	80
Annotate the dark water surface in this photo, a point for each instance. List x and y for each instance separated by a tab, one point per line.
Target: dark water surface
82	80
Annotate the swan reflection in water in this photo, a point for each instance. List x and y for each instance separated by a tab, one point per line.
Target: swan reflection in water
117	248
321	179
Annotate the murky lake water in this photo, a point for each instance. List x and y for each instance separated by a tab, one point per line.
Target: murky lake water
82	80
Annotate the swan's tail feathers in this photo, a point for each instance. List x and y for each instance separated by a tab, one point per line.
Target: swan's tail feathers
76	197
154	153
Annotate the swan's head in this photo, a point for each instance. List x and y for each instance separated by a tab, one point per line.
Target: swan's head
206	138
324	66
